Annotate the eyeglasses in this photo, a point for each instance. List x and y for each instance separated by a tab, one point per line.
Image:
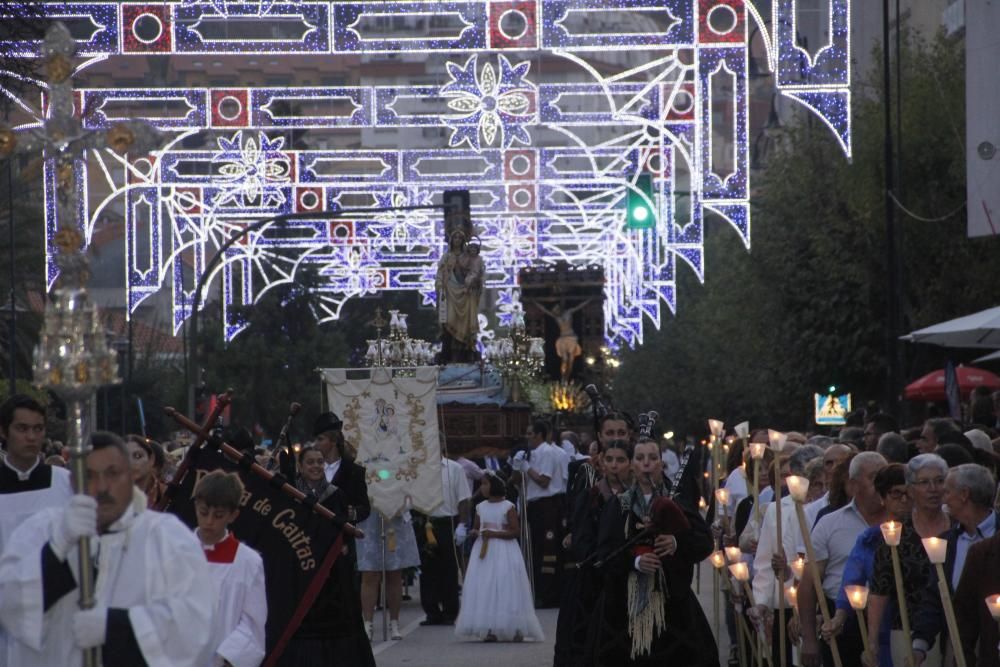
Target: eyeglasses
928	483
898	494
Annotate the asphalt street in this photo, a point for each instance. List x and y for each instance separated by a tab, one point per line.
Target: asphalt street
437	645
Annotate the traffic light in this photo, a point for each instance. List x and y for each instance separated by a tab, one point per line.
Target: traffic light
640	202
457	211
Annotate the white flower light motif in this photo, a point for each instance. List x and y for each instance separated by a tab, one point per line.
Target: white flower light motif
489	104
398	228
251	167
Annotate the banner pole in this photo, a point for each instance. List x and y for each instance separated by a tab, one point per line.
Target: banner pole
385	580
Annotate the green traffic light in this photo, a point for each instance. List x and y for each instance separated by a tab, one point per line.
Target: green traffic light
639	201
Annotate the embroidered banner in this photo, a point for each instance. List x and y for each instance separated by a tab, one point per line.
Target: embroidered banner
392	420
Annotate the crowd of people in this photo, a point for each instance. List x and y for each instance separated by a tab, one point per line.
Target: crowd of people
609	529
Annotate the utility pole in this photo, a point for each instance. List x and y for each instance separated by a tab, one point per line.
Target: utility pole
891	255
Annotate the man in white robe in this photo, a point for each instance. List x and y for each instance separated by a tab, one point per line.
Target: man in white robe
27	484
155	600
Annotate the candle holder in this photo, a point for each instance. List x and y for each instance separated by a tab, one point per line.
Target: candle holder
716	428
722	500
734	555
857	596
892	532
937	551
742	430
776	439
993	604
798	488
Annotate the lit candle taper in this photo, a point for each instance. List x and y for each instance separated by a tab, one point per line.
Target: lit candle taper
777	443
937	552
824	609
858	597
892	532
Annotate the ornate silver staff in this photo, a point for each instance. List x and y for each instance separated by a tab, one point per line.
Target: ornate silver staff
72	357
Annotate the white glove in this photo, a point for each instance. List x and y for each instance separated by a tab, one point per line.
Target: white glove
90	626
460	534
519	462
79	519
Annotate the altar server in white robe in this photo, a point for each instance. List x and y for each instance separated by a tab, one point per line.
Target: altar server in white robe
27	484
155	601
237	571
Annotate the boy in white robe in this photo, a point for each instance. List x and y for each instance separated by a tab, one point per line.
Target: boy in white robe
27	484
237	570
154	597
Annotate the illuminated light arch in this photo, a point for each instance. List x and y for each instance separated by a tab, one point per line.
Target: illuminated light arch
548	159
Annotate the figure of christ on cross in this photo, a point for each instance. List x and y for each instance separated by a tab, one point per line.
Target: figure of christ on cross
568	344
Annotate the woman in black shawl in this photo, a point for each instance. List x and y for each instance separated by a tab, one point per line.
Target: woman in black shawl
594	485
648	547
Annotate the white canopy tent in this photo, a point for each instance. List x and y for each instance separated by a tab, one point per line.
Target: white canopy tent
979	330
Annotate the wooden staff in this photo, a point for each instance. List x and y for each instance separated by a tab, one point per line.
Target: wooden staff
777	440
824	610
718	560
892	531
236	455
936	549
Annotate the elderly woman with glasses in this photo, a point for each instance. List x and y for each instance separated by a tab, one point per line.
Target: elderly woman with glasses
925	479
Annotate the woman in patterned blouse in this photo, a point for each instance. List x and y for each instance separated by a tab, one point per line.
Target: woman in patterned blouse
925	475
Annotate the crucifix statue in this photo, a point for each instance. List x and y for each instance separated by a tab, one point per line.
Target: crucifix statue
72	356
568	344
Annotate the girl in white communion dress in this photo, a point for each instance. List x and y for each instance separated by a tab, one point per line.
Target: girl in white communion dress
497	604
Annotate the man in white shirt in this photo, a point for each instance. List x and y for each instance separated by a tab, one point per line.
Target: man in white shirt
27	484
154	597
438	550
833	537
543	468
772	558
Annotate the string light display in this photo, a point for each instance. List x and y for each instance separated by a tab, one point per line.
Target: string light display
548	111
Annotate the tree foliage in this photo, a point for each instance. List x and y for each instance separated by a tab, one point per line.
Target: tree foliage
274	361
806	308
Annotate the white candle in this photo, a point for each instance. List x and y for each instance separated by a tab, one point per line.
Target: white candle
936	549
891	532
734	554
718	559
798	567
993	602
740	571
716	427
722	497
757	450
798	487
702	505
857	596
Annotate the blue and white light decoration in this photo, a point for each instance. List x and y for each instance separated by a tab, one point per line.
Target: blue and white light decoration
545	109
